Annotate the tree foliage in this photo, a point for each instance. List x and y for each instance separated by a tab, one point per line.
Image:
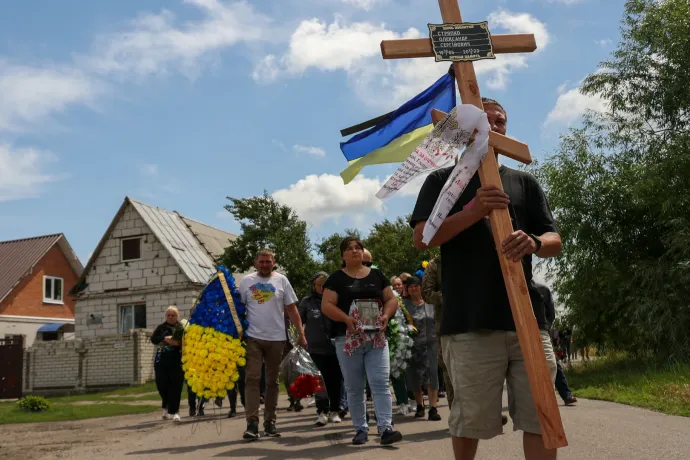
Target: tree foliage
329	250
620	188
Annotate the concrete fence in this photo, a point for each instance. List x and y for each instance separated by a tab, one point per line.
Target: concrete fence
89	364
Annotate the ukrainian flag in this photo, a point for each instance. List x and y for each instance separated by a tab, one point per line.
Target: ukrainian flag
395	138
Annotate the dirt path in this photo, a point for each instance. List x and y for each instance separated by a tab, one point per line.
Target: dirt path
596	431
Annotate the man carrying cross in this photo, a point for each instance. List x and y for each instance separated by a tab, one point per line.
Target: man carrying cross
480	345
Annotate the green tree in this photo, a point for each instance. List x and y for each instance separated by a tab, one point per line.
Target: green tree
266	223
620	188
392	247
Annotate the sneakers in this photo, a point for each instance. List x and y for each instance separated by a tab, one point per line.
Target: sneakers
403	409
360	438
322	420
176	418
334	418
434	416
270	429
201	411
298	407
232	413
192	411
311	402
571	401
342	414
164	415
420	412
389	437
252	431
441	394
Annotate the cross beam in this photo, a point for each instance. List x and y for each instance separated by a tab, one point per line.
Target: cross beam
541	384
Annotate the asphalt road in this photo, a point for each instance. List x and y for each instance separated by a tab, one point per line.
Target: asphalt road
595	430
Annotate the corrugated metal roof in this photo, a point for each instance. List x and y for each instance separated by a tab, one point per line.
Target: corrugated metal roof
179	240
18	257
213	239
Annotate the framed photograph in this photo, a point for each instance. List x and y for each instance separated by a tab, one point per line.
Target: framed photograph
368	312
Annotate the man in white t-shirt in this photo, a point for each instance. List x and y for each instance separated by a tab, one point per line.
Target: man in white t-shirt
268	296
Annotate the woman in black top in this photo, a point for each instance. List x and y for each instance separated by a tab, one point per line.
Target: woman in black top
321	350
168	365
362	354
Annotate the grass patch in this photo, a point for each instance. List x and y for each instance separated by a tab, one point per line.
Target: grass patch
10	413
122	394
664	388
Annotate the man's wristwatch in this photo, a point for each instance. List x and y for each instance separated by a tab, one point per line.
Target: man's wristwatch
537	241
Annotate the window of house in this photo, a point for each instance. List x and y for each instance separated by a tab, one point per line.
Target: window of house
132	317
47	336
52	289
131	249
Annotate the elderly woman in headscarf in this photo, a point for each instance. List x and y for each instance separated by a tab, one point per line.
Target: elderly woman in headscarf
322	351
422	370
168	364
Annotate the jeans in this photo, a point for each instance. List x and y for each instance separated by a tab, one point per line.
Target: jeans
374	364
258	353
562	383
343	394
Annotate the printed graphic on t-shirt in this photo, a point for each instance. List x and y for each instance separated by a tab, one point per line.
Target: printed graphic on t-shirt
262	292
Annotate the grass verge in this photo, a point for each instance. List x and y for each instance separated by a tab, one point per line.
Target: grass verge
10	413
663	388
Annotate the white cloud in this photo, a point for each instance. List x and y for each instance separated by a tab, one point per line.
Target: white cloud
603	43
365	5
30	95
149	170
571	105
355	49
157	44
318	198
23	172
313	151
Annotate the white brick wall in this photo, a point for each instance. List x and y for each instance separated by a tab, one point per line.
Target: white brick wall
122	359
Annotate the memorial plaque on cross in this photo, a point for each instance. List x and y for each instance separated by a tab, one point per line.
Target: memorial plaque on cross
540	381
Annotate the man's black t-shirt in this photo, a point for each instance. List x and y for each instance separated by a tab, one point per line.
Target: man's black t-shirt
474	293
350	289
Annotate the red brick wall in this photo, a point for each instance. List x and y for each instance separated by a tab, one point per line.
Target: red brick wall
27	298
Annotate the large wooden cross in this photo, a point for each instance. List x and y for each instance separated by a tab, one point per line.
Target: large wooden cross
540	380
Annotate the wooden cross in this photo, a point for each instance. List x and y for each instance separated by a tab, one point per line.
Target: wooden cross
540	381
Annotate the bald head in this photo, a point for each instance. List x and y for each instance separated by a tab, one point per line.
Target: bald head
366	256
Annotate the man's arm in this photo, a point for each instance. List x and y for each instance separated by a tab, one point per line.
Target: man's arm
295	319
431	291
488	198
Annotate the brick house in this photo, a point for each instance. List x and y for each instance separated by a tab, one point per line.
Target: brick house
35	277
149	258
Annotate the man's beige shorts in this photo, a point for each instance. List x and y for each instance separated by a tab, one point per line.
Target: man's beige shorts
478	364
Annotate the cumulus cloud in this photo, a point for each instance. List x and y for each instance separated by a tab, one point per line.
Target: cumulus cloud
319	198
158	44
31	95
570	106
353	47
309	150
23	172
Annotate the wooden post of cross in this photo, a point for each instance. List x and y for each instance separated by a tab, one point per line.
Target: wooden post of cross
540	380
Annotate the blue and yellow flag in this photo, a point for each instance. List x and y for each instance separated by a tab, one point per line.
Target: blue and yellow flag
395	138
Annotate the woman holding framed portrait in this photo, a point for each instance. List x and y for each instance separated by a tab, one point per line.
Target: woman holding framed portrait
360	301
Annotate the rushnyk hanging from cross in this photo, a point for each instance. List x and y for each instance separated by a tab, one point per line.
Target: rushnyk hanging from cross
462	44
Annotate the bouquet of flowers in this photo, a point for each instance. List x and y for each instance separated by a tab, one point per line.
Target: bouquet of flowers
212	349
299	373
399	345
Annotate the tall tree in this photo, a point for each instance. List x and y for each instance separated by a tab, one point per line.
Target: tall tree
392	247
267	223
620	187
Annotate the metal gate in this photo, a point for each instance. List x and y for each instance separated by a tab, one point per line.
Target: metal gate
11	360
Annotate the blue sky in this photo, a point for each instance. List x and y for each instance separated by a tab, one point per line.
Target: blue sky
182	103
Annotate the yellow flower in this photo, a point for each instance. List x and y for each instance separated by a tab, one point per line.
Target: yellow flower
235	377
204	353
241	362
230	386
222	393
